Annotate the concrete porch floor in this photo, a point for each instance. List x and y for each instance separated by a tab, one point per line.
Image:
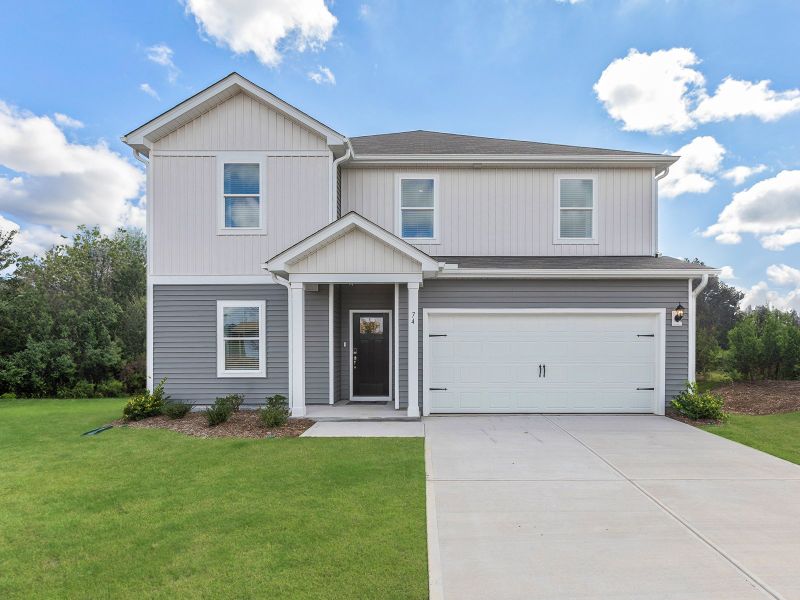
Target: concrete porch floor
343	411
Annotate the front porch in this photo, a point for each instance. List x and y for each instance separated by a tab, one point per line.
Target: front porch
354	411
366	281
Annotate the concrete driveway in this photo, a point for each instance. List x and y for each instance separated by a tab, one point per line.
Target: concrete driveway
606	507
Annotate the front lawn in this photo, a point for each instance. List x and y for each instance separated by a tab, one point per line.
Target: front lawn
157	514
777	434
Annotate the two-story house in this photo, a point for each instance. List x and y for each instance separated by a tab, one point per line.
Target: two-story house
437	273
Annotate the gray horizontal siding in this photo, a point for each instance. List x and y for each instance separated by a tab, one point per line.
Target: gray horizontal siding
557	294
185	342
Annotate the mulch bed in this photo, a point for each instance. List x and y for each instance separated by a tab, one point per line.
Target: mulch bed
761	397
244	424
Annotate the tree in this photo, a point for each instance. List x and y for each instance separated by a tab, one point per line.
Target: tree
745	346
7	256
718	308
75	314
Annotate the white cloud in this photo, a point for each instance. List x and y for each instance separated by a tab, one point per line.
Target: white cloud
148	89
31	240
264	27
322	75
161	54
66	121
761	295
651	92
783	275
770	210
738	175
700	159
735	98
663	92
726	273
57	184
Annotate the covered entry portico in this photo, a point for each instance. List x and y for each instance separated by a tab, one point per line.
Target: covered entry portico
372	280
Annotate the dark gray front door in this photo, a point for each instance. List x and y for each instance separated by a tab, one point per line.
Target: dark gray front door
371	344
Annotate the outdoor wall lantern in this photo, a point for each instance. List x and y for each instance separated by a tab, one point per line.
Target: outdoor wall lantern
677	314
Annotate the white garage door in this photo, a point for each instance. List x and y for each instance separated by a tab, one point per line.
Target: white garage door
482	362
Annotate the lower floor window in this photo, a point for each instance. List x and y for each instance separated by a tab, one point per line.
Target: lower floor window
241	333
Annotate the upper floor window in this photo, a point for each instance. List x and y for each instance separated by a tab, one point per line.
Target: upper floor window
242	206
418	205
576	217
241	346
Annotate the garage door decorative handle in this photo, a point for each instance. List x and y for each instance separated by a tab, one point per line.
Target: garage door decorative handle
438	389
437	335
643	388
645	335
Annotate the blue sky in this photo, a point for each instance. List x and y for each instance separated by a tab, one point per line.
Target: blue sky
525	70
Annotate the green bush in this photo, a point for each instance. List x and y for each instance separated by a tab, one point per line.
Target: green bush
146	404
111	388
219	412
234	400
83	389
694	404
276	411
176	410
8	396
765	344
134	375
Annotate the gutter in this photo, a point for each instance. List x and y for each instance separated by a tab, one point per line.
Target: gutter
659	161
451	273
334	177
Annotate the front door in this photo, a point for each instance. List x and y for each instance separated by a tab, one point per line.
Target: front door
371	344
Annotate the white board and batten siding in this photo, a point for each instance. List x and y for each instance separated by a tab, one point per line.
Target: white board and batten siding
185	190
239	124
356	252
511	211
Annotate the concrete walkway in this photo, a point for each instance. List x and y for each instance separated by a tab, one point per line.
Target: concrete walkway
630	507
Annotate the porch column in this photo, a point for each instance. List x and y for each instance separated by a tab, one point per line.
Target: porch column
297	349
413	349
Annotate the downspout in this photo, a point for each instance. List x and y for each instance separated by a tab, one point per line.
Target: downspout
334	177
694	293
285	283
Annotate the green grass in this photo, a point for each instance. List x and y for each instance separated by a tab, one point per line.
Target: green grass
776	434
150	513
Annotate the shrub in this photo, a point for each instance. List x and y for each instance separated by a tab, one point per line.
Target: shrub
695	404
219	412
146	404
8	396
176	410
110	388
276	412
234	400
83	389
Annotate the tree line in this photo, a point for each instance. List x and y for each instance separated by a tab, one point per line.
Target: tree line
73	321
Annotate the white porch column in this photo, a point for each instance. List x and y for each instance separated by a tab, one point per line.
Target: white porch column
413	349
298	349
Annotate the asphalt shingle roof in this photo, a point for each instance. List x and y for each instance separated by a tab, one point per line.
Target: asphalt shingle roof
432	142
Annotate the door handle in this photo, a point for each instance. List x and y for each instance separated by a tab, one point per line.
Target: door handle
544	370
540	370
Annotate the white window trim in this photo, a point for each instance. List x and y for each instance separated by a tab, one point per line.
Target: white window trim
241	157
557	239
399	206
262	338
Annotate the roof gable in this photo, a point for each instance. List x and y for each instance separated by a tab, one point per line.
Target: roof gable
352	244
143	137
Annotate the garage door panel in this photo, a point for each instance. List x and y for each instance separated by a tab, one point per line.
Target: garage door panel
489	362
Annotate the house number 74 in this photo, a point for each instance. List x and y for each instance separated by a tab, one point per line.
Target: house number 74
413	318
